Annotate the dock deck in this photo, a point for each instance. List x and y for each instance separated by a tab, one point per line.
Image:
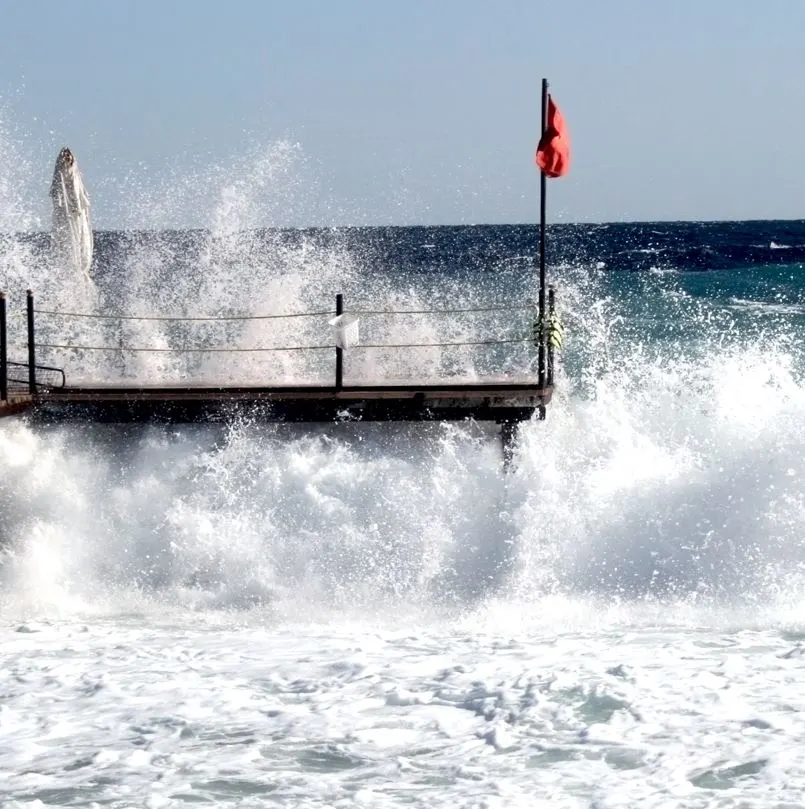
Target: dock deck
47	394
496	401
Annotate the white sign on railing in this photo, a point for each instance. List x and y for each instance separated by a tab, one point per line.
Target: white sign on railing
346	330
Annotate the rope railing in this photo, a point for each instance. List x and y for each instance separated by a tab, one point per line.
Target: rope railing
214	350
173	318
444	345
280	316
345	334
457	311
196	350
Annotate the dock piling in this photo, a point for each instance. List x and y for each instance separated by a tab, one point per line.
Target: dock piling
508	440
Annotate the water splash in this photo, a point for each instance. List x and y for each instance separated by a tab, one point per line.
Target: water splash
628	493
618	497
17	255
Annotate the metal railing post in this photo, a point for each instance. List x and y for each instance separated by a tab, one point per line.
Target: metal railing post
31	344
339	352
3	350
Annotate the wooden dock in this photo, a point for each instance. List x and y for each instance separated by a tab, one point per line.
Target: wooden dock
44	394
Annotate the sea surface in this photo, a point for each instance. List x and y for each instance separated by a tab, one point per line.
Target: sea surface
367	615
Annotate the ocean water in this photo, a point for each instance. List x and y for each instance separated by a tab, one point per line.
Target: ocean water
247	615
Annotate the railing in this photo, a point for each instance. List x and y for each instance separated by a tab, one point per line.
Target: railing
16	376
23	377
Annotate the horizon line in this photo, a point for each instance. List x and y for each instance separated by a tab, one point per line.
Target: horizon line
589	223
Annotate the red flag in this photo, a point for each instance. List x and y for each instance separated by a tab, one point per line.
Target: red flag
553	152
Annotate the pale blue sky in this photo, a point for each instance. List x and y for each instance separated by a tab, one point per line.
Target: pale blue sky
417	112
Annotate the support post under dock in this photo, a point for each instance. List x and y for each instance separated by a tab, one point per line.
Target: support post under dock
508	439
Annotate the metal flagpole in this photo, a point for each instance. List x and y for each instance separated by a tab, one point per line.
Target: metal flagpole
541	359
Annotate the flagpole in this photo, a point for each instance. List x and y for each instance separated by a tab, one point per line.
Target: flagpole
541	363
